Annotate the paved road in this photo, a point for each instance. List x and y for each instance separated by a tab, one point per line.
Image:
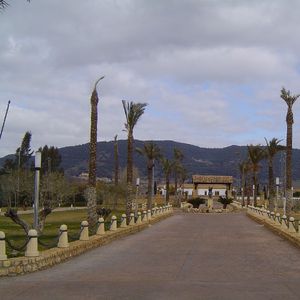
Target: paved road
188	256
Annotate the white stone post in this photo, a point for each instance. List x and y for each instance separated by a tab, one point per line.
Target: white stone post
131	221
144	216
153	212
123	221
278	219
32	245
84	233
3	255
113	226
63	237
101	227
139	218
284	222
148	214
272	216
292	225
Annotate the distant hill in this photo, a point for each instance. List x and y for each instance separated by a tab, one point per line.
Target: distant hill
197	160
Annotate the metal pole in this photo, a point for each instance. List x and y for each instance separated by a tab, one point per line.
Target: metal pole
36	198
152	190
37	188
277	192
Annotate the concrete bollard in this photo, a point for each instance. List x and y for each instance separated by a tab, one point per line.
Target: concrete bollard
3	255
63	241
113	225
269	214
139	218
32	245
278	219
148	215
84	233
153	212
292	227
284	222
272	216
131	221
123	221
101	227
144	216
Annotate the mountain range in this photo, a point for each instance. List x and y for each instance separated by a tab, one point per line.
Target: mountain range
197	160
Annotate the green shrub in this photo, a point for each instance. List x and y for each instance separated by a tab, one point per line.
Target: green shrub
196	202
225	201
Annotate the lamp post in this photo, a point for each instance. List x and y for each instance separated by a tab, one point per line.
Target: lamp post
136	196
37	167
277	191
253	194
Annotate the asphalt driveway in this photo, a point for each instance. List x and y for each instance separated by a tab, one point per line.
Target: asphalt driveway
187	256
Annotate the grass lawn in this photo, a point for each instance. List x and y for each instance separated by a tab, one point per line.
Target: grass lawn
72	219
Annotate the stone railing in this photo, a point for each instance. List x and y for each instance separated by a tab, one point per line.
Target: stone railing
280	224
36	260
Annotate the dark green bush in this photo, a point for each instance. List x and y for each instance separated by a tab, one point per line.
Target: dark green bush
225	201
196	202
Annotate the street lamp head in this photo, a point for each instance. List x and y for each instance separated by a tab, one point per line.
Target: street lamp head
38	160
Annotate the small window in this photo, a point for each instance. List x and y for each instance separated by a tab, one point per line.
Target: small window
205	193
217	193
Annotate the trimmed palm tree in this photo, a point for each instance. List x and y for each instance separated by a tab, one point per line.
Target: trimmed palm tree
167	167
151	152
90	192
244	169
116	155
272	149
178	157
133	112
289	100
255	153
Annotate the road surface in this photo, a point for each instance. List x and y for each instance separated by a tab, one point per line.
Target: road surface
187	256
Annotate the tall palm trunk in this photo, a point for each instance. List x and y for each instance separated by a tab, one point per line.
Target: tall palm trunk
243	188
91	190
116	154
175	187
150	181
255	189
290	100
167	188
129	195
271	186
288	163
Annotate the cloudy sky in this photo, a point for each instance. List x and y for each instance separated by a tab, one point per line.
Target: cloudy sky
210	71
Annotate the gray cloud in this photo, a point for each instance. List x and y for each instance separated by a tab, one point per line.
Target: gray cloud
211	71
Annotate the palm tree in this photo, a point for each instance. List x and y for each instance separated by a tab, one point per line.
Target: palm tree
255	153
116	154
151	152
4	4
290	100
133	112
91	190
272	149
178	157
244	169
167	167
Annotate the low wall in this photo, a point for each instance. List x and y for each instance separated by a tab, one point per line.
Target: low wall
48	258
288	230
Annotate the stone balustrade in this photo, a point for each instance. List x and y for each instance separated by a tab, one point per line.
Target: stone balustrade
280	224
35	260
